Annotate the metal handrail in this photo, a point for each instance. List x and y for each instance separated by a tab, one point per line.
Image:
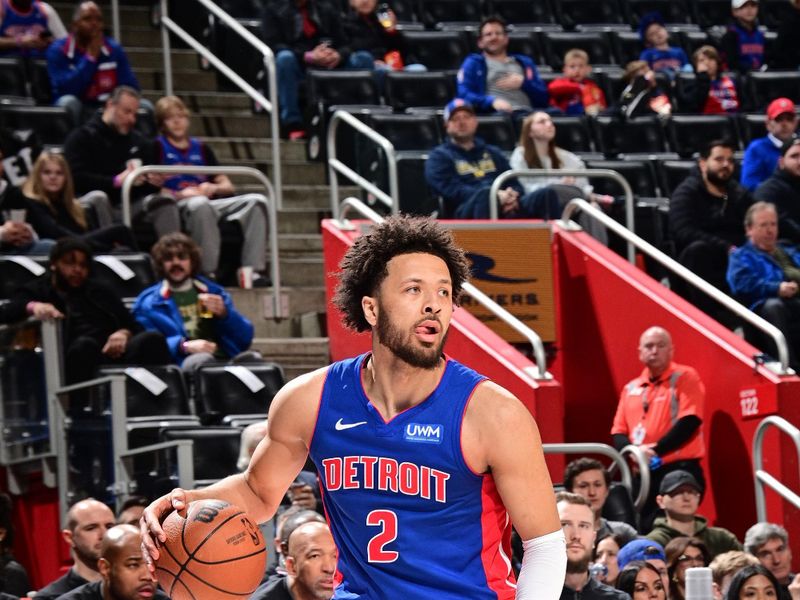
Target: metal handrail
597	173
645	476
337	166
540	359
270	105
618	461
272	225
763	478
738	309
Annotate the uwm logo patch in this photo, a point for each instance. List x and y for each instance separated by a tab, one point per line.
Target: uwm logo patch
421	432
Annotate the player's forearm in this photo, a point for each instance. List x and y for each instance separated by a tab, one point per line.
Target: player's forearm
237	491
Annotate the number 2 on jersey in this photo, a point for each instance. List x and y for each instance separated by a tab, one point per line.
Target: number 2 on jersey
376	548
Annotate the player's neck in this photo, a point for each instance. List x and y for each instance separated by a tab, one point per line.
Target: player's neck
393	385
83	570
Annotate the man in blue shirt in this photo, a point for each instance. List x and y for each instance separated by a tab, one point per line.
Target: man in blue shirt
761	156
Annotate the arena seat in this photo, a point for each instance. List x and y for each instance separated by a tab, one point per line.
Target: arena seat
751	126
692	40
672	172
39	78
329	87
404	10
615	136
765	86
128	274
774	12
619	505
403	89
12	79
434	12
689	133
708	13
673	11
595	43
525	41
16	271
497	130
410	131
415	196
221	393
216	450
626	46
576	12
141	402
639	174
51	124
572	133
437	50
521	12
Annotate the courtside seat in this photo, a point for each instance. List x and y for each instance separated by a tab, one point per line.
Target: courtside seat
222	393
615	136
692	40
765	86
578	12
525	41
143	404
404	89
689	133
521	12
773	12
215	450
595	43
438	50
51	124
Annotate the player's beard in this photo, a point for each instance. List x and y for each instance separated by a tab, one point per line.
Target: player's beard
400	345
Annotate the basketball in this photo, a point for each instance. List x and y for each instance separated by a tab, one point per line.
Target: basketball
215	552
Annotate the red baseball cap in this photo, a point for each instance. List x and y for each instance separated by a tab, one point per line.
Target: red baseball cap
778	107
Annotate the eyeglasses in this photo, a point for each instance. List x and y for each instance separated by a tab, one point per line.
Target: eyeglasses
687	558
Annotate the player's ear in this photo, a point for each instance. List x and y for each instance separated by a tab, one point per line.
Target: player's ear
369	305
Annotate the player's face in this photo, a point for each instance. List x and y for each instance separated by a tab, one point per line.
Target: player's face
93	520
577	521
776	556
592	486
177	125
313	562
655	351
415	303
493	39
53	178
648	586
128	577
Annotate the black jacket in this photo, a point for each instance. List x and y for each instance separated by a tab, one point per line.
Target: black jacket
12	198
367	33
594	590
785	53
697	215
105	305
783	190
282	26
97	153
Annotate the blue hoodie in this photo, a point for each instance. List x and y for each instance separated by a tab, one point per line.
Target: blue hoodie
472	82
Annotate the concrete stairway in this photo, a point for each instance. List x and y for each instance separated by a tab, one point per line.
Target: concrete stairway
238	137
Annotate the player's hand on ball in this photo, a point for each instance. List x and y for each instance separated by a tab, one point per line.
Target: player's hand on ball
150	523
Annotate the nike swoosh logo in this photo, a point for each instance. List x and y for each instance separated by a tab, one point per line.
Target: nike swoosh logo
342	426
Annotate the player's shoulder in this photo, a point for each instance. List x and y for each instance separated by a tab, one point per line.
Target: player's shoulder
492	406
302	391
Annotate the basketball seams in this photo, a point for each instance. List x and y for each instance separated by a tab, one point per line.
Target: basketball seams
228	560
219	589
211	533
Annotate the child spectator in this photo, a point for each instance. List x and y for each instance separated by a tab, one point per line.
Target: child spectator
658	53
642	96
575	93
743	43
712	92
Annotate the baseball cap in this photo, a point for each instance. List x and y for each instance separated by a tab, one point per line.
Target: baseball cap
456	105
672	481
778	107
650	18
741	3
640	549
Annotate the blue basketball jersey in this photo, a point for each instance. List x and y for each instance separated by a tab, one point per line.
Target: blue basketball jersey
172	155
18	24
409	517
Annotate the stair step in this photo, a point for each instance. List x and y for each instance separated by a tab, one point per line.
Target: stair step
302	271
153	78
239	123
292	171
133	36
203	101
299	243
136	16
258	302
150	58
301	220
232	148
296	349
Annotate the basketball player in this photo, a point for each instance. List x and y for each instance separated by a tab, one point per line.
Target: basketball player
422	461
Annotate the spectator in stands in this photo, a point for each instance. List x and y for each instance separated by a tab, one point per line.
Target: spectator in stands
641	581
14	580
575	93
378	39
98	329
642	97
679	497
743	43
131	510
683	553
462	170
28	27
310	566
175	147
658	54
123	570
712	92
105	150
305	34
86	66
786	51
725	566
765	275
87	523
19	224
705	219
60	215
606	551
645	550
753	581
769	543
496	81
762	154
577	521
590	479
660	412
783	189
195	314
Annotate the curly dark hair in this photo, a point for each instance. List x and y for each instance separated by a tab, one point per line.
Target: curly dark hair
175	243
364	267
581	465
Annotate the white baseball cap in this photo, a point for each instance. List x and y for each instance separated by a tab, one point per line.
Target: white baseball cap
741	3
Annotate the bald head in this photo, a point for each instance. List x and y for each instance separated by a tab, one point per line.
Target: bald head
123	567
117	539
89	509
311	563
655	350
